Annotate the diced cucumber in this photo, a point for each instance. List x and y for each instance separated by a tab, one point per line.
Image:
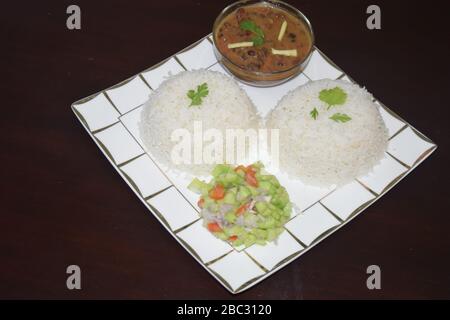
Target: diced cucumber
280	199
272	179
234	230
241	173
230	198
265	185
230	217
267	223
258	165
260	233
272	234
221	235
243	193
249	240
211	205
238	242
260	242
266	212
220	169
254	191
199	186
287	210
232	177
276	215
260	206
250	218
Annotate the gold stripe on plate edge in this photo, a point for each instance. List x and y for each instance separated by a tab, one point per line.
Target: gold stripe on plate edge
350	78
407	124
252	281
157	193
249	283
289	258
160	217
81	118
398	160
105	151
147	84
86	99
361	208
176	231
332	213
222	281
390	185
135	187
191	251
255	261
424	155
327	59
194	253
302	211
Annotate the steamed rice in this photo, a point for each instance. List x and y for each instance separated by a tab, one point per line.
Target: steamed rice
323	152
225	107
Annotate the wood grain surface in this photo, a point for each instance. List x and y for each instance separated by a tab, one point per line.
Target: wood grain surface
62	203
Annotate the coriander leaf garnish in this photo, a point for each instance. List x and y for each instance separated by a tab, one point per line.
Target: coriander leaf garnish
196	96
258	41
333	96
314	113
340	117
248	25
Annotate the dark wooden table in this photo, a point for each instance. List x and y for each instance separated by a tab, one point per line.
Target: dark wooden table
62	203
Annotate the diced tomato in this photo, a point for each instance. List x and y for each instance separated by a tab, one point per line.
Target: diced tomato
201	202
214	227
250	178
218	192
233	238
242	209
250	169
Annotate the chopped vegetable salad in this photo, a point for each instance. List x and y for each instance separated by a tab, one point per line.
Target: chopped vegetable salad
243	205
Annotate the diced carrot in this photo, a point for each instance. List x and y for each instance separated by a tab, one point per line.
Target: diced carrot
233	238
201	202
242	209
218	192
250	178
214	227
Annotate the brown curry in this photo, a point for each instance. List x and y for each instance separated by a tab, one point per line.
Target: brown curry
263	39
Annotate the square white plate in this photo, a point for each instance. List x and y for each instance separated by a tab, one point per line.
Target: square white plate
111	117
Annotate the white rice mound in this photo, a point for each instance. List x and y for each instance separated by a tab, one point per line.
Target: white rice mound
323	152
226	106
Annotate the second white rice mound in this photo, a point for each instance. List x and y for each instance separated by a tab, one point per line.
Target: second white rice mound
323	152
226	106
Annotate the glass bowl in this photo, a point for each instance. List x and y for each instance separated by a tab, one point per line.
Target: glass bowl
258	78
